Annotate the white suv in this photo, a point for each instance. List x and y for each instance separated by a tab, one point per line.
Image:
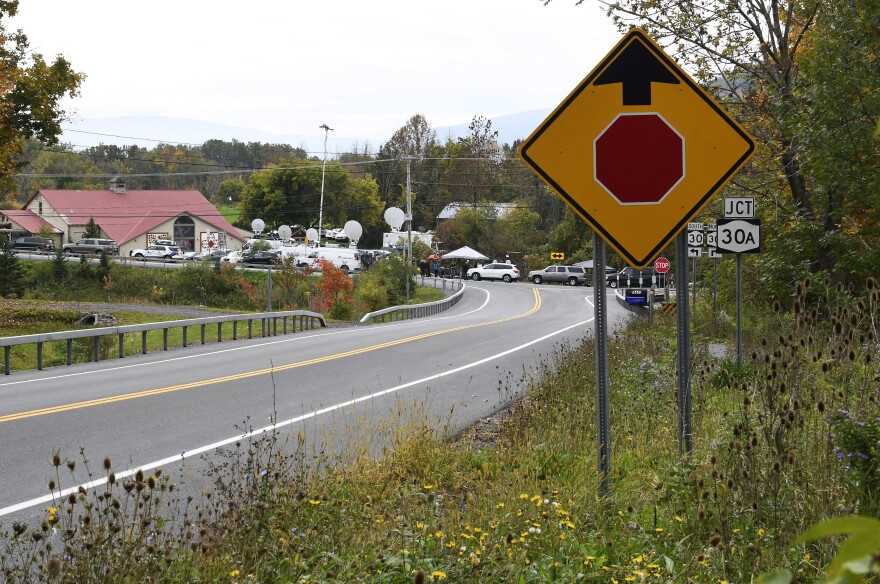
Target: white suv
154	251
494	271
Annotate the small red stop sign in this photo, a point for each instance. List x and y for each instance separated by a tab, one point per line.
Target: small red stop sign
661	265
639	158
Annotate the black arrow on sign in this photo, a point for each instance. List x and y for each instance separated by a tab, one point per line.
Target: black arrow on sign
636	67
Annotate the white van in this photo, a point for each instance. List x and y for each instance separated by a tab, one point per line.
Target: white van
343	258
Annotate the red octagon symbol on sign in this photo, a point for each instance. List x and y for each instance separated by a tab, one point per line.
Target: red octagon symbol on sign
639	158
661	265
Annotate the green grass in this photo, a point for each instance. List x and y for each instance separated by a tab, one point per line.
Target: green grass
230	213
517	500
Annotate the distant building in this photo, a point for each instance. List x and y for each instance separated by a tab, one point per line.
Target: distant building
133	219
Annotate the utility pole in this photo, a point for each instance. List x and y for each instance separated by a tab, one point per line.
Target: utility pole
327	129
408	222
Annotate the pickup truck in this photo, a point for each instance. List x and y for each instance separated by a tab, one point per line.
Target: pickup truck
632	278
95	246
571	275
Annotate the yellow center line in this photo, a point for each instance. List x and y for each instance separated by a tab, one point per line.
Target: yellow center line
257	372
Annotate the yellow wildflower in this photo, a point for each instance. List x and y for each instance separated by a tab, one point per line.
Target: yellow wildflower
438	575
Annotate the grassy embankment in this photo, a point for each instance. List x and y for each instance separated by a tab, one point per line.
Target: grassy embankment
780	442
219	287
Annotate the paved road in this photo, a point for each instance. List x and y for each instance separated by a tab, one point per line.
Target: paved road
161	409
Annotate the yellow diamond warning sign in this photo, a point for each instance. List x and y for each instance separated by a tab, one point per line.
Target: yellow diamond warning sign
637	149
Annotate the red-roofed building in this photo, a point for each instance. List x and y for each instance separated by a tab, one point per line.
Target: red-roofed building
133	219
24	222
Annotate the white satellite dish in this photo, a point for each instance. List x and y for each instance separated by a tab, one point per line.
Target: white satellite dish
284	233
394	217
258	225
353	230
312	235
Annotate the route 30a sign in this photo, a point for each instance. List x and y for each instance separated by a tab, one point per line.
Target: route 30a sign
739	236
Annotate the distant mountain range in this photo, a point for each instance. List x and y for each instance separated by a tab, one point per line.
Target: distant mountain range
145	131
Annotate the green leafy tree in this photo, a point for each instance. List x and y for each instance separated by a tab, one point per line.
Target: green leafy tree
31	90
292	195
229	191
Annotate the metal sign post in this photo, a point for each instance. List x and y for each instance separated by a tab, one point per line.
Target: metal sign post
603	416
739	309
685	430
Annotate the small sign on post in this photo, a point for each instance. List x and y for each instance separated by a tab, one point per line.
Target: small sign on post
739	207
739	236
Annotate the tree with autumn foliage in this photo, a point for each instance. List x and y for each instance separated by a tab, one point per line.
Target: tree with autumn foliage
334	293
31	89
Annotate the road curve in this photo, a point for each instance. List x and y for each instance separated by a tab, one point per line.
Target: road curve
160	409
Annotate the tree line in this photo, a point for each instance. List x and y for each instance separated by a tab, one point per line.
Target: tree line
801	75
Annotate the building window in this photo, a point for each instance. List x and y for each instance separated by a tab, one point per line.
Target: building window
185	233
40	211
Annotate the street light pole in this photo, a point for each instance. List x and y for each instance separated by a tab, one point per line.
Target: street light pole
327	129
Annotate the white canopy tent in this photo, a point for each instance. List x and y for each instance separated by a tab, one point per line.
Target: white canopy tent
464	253
589	266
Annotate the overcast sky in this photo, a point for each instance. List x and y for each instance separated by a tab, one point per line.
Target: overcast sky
286	67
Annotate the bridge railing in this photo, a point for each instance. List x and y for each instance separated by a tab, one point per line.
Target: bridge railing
269	323
408	311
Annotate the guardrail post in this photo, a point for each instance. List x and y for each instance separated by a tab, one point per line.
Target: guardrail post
39	356
6	352
219	332
69	352
284	332
122	345
184	337
262	327
144	342
203	334
96	346
234	330
165	339
274	326
250	328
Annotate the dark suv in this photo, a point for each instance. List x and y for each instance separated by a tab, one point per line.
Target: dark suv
34	243
95	246
633	278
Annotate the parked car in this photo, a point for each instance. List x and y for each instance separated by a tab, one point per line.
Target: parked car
571	275
232	257
215	255
34	243
264	258
633	278
494	271
165	252
92	245
337	234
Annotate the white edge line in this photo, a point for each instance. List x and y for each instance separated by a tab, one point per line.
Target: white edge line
247	435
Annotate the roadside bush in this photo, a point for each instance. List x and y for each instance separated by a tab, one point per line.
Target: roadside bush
335	288
371	294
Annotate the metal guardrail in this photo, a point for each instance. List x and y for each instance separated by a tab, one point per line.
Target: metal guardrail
268	327
405	312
